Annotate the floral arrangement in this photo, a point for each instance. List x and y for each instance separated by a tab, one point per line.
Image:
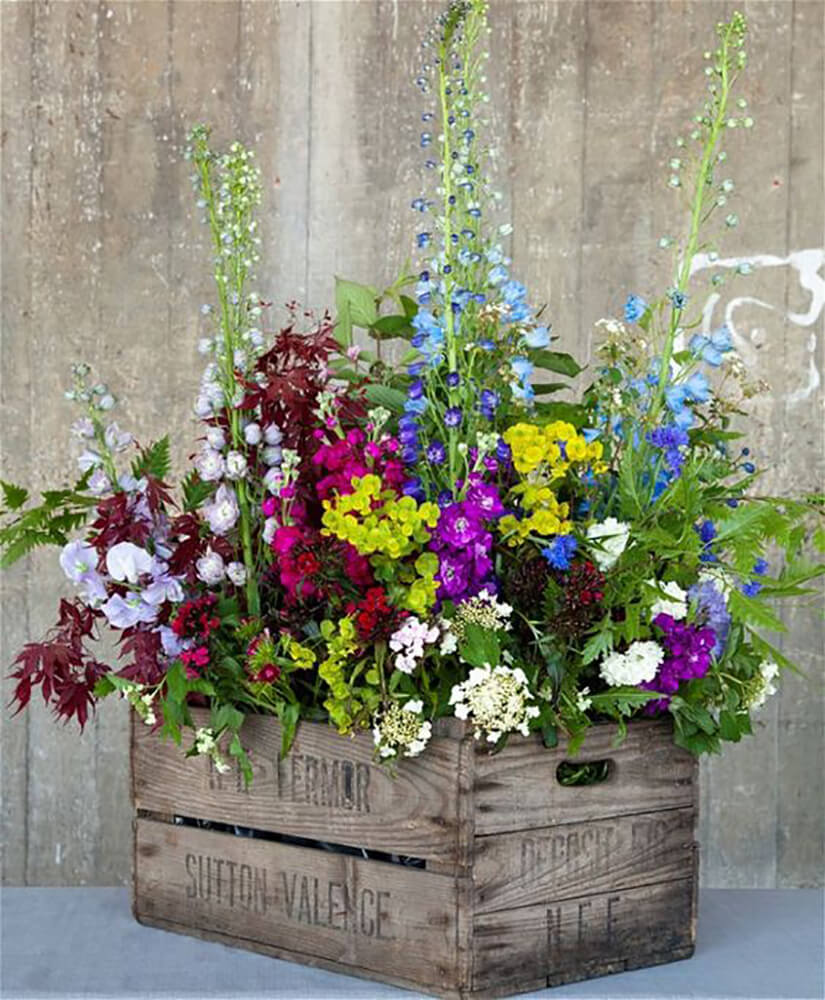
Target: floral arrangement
381	546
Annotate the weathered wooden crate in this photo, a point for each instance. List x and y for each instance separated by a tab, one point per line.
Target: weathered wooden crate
520	882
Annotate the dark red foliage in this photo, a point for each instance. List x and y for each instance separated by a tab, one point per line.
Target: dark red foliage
61	665
190	539
295	369
117	522
145	648
583	593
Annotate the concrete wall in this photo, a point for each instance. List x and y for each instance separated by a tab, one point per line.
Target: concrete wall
103	259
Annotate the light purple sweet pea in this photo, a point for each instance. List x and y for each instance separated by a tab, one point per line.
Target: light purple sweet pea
222	514
172	645
78	561
126	612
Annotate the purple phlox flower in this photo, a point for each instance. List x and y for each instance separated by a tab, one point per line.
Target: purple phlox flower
453	575
128	611
634	308
485	497
560	551
689	651
459	524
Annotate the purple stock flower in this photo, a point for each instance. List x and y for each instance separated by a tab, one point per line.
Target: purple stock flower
689	649
459	524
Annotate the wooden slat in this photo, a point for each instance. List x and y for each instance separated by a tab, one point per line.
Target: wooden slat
383	917
519	869
327	788
586	936
518	789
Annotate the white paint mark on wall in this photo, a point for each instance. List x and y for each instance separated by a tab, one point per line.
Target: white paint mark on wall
58	853
809	266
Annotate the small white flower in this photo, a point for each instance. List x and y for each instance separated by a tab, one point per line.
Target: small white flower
497	700
673	603
210	465
210	568
610	537
252	434
638	665
270	527
83	428
768	672
583	702
205	346
99	483
415	705
236	571
235	465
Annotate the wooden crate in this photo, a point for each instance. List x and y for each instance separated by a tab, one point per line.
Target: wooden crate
519	882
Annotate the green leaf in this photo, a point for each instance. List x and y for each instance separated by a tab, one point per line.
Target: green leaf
176	685
384	395
289	716
410	306
13	496
555	361
480	646
596	646
388	327
546	388
360	302
550	735
754	612
153	461
729	726
573	413
237	751
195	492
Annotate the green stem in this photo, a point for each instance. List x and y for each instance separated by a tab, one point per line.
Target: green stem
696	218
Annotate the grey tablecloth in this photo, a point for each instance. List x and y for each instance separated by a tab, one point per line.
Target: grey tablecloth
84	943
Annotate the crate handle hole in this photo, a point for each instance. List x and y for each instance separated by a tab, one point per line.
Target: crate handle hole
573	773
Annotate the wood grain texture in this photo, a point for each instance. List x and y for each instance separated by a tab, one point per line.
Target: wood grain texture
327	787
575	859
520	790
363	914
584	937
103	256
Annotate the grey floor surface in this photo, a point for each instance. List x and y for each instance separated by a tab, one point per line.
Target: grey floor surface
84	943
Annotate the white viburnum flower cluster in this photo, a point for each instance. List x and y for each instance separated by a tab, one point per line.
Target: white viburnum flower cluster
583	700
409	642
483	609
401	730
638	664
496	700
763	686
609	538
206	745
671	600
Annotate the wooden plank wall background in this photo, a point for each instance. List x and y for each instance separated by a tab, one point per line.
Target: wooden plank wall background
103	259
